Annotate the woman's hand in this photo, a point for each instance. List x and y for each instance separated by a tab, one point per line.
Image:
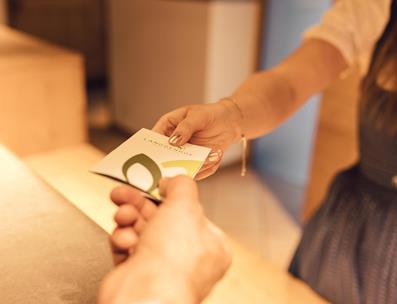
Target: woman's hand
216	126
178	254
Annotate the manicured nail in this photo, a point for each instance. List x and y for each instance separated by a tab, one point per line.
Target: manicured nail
174	139
213	159
214	156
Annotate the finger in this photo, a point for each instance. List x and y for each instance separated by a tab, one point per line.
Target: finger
145	207
127	195
140	225
148	210
168	122
119	257
122	239
195	121
179	188
126	215
206	173
213	159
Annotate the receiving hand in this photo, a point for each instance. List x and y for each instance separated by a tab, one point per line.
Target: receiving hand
177	251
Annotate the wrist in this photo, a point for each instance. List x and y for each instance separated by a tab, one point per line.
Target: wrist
234	114
159	282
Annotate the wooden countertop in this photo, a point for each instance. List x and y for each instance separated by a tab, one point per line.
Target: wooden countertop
250	280
50	251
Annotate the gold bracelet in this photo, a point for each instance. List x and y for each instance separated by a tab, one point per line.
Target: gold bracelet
244	143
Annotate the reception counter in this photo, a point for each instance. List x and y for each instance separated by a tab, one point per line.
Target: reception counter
53	253
50	251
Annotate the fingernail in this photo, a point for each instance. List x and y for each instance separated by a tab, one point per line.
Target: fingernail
174	139
214	156
213	159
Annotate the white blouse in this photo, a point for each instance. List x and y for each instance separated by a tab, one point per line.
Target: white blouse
353	26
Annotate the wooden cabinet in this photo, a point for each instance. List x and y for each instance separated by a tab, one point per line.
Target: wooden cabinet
76	24
42	103
3	12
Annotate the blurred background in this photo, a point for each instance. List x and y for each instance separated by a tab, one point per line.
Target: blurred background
82	74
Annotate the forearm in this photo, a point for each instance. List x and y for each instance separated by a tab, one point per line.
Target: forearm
268	98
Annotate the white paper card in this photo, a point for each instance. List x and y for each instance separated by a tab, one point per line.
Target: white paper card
146	157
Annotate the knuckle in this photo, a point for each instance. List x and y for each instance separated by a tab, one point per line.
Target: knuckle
128	209
186	125
192	107
164	117
119	193
116	191
113	240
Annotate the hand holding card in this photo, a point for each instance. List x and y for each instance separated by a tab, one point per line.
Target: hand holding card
146	157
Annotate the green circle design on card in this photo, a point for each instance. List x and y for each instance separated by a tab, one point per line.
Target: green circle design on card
149	164
191	167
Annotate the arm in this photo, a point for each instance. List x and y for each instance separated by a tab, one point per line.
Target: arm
268	98
347	31
263	102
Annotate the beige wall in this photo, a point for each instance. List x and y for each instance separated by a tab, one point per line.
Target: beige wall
232	45
155	64
167	54
3	15
232	51
189	51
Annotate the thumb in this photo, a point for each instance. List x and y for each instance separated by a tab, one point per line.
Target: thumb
181	189
194	121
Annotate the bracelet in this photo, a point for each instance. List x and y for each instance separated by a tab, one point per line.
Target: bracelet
244	143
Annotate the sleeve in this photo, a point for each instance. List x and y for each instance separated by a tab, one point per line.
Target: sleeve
352	26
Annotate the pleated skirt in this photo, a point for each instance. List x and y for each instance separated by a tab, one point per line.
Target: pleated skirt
348	250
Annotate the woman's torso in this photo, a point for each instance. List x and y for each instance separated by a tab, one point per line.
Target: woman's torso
348	250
